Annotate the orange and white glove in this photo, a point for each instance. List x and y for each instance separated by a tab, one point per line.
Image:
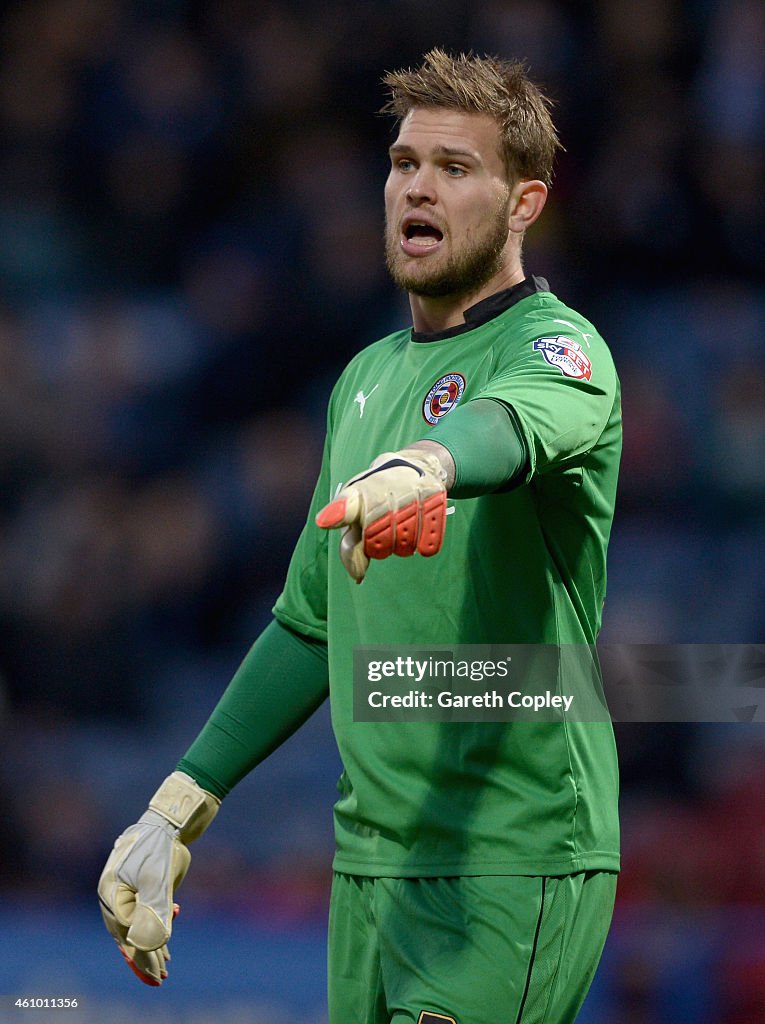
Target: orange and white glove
148	863
396	507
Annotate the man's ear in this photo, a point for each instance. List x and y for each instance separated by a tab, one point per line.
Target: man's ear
527	202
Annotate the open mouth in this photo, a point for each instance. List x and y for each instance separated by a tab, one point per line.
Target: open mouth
419	237
422	234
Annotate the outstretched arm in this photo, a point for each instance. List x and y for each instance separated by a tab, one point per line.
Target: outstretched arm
398	505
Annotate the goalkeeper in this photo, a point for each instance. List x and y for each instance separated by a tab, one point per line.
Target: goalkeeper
468	483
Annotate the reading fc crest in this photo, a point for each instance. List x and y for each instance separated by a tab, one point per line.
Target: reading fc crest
442	397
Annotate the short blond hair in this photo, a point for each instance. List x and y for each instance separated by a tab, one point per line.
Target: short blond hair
484	85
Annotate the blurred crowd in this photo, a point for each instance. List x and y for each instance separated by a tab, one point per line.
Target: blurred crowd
190	250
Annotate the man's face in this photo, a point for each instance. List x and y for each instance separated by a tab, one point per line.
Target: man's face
446	203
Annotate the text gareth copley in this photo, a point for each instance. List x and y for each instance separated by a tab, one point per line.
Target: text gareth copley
488	699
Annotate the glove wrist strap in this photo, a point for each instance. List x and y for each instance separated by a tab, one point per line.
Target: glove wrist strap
185	805
425	460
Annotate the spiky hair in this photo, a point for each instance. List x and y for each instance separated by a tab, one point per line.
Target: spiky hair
484	85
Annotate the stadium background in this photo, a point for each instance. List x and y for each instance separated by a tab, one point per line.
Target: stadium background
190	222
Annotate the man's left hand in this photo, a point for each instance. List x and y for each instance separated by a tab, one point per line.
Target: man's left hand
396	507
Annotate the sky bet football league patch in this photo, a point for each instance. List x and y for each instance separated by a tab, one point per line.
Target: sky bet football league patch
566	355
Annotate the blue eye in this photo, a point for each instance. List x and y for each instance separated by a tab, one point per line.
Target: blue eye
455	171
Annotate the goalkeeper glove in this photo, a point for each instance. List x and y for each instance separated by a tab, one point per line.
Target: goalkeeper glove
149	861
396	507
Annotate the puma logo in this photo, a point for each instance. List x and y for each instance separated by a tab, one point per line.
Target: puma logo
361	399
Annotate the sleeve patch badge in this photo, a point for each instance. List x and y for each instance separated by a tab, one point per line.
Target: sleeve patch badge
565	354
442	397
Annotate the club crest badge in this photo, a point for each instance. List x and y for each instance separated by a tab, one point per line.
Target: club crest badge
565	354
443	397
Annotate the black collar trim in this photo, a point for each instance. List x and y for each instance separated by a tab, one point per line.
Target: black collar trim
485	310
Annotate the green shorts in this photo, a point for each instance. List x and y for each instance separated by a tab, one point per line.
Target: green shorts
491	949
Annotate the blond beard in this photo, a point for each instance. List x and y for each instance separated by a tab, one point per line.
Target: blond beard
465	272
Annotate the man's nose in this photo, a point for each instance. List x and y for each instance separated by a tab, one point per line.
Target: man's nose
421	188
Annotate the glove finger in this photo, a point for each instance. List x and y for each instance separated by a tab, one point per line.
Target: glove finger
397	533
352	554
343	511
148	930
432	524
378	536
148	966
405	538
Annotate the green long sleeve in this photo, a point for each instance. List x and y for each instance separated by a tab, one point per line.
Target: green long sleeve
486	444
281	682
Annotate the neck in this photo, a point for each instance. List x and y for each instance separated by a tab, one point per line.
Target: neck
431	315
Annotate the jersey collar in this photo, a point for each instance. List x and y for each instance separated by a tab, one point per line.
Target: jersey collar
487	309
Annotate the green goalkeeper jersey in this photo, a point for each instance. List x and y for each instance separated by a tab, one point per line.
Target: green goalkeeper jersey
526	565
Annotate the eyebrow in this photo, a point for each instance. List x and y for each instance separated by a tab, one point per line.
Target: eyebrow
442	151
